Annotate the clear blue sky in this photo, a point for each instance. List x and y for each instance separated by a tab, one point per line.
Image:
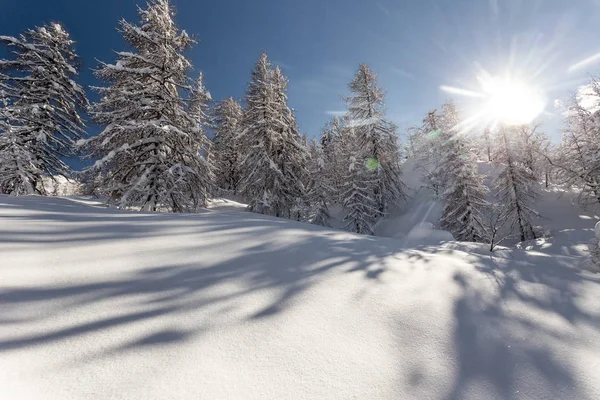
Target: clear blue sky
414	45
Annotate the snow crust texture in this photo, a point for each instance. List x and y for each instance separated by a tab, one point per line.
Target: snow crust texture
97	303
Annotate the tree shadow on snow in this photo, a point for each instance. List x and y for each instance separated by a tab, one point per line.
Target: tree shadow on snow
284	269
498	341
509	331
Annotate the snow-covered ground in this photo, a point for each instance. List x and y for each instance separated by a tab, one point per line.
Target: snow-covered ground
97	303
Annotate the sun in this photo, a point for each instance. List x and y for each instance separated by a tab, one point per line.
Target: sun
510	101
504	99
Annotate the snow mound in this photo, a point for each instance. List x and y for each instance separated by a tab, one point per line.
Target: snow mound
424	233
97	303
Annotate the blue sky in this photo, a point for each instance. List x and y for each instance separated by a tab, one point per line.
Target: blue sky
414	45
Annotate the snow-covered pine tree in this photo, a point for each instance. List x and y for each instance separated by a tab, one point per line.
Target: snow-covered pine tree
200	111
377	137
227	157
274	157
320	191
594	249
293	154
515	185
533	141
465	205
150	151
578	161
358	195
487	144
260	174
464	195
426	144
331	137
39	114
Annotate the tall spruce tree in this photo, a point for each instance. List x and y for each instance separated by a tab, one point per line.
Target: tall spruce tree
465	206
227	157
320	190
39	108
274	155
464	195
578	162
427	142
515	185
331	137
150	151
376	145
358	197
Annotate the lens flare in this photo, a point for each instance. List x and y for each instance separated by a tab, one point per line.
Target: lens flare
372	164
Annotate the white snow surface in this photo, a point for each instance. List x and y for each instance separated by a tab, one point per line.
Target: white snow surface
97	303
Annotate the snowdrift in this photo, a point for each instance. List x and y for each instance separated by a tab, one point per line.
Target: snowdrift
101	304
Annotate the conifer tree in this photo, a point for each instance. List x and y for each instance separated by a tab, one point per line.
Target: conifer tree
464	195
465	205
151	149
227	157
274	155
333	163
357	194
578	162
39	109
515	186
427	141
320	191
377	137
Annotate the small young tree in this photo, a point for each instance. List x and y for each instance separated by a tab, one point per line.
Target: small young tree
495	218
39	109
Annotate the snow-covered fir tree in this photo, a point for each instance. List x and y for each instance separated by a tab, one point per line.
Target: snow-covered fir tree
464	194
199	105
226	153
359	182
333	163
487	144
150	151
293	154
594	249
426	146
533	143
577	162
377	137
465	206
320	190
515	185
274	155
39	109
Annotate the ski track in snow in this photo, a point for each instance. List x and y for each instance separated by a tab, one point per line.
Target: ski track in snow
97	303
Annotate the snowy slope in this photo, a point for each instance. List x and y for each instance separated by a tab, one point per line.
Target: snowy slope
101	304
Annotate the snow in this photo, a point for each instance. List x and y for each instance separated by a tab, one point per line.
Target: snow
98	303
